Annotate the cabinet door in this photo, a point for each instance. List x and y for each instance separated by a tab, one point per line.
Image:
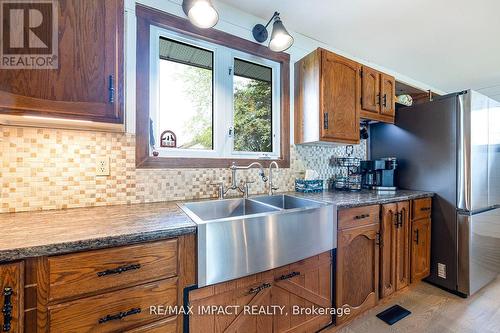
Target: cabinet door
88	82
420	249
357	275
402	246
370	90
251	291
303	285
388	92
340	93
12	296
388	231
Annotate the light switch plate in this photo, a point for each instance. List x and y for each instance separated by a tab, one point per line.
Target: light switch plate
102	166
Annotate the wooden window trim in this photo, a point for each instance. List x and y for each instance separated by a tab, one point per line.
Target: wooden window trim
148	16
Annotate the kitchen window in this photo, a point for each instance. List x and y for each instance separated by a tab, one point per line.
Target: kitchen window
211	101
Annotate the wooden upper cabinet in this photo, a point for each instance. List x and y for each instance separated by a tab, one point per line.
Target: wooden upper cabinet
327	93
377	95
370	90
357	278
387	94
88	84
340	90
12	297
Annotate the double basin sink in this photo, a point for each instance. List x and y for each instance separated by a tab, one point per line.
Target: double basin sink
239	237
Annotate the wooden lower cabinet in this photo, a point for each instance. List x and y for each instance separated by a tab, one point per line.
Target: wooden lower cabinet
403	246
357	276
394	247
281	291
115	311
110	290
12	297
420	249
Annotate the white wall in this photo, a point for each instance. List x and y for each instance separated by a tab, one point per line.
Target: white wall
238	23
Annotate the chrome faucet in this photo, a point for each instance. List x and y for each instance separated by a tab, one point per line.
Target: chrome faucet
272	188
234	182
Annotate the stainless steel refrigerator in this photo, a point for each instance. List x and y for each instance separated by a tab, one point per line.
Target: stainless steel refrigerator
451	146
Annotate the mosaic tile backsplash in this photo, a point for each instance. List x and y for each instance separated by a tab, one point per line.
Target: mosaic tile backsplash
45	169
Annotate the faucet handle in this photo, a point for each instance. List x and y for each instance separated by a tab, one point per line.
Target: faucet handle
220	190
246	188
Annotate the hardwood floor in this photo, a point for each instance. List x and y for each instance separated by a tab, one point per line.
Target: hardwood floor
435	310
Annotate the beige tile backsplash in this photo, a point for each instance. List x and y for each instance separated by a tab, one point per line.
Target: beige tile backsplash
53	169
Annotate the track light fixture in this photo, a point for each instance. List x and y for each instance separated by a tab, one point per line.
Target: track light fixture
280	40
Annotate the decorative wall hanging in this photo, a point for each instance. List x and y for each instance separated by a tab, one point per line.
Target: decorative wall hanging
168	139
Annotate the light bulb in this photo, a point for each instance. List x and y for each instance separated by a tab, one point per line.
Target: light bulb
202	14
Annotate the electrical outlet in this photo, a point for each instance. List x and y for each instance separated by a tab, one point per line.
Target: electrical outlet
102	166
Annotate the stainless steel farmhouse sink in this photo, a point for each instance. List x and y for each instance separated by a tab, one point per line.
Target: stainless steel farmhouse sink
239	237
287	201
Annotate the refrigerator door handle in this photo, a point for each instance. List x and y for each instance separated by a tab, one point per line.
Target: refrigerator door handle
464	152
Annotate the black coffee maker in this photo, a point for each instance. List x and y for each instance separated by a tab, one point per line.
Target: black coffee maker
379	174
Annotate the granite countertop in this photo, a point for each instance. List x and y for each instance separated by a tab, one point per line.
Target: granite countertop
32	234
345	199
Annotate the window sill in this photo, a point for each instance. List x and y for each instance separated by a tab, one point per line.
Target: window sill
200	163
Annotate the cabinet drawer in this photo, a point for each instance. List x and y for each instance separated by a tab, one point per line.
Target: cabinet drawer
355	217
88	272
421	208
102	313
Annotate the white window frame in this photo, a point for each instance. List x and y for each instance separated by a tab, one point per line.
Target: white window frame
223	110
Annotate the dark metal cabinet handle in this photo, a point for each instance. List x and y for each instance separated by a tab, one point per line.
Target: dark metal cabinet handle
325	120
362	216
259	288
425	209
111	89
416	236
119	270
396	217
120	315
402	217
7	309
378	99
288	276
385	100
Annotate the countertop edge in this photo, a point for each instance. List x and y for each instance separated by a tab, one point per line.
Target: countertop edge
93	244
380	201
96	243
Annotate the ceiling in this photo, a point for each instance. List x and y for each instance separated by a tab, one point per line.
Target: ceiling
448	44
